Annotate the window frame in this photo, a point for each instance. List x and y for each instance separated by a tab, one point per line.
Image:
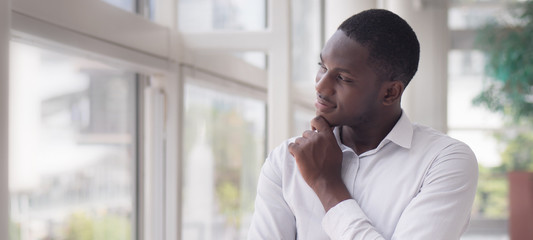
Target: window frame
5	29
45	24
139	109
225	84
156	49
463	39
275	41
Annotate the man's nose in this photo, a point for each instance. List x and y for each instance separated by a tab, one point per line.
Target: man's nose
324	84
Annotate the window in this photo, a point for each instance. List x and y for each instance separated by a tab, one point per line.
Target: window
301	120
257	59
224	151
209	15
146	135
128	5
73	147
478	128
306	42
475	125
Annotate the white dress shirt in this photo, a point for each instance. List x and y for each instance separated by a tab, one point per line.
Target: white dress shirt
417	184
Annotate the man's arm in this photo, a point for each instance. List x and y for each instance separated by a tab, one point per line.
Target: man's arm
272	217
441	209
319	159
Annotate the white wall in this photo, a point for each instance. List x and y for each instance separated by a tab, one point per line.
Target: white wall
336	11
425	98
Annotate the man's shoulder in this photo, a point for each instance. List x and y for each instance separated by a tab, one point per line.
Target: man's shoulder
425	136
429	134
432	140
283	148
280	155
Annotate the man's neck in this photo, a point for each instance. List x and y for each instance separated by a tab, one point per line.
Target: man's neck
368	137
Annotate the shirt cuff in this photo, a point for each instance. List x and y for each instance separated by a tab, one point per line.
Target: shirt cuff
343	216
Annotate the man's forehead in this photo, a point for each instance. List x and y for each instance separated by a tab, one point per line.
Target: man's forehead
340	40
339	45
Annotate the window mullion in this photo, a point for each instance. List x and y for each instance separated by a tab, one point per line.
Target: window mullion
5	13
154	162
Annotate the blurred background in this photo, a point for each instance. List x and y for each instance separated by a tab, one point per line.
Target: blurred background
150	119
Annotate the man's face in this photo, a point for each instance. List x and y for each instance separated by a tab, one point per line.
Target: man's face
347	88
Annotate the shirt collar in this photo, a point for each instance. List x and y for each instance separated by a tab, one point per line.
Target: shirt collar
336	132
401	134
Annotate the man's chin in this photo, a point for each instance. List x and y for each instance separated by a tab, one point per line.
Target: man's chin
331	121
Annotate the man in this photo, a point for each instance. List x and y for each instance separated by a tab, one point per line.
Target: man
365	171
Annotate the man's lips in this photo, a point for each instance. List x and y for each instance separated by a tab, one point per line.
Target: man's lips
322	104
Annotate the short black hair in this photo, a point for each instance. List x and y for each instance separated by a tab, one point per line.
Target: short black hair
392	44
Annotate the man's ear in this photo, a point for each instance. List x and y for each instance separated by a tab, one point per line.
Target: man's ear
393	92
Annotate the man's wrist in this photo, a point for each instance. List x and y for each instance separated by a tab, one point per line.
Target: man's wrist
331	192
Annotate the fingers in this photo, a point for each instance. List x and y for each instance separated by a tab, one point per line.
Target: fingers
294	148
308	133
291	148
319	123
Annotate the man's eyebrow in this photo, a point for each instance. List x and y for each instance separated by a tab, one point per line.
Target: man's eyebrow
337	69
343	70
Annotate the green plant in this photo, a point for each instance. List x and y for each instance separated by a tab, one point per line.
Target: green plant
519	152
83	226
509	63
508	46
14	230
491	196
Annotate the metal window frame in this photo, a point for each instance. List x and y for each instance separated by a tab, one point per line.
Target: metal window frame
155	50
275	41
5	33
36	26
139	131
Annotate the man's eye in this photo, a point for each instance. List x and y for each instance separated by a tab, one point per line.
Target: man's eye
341	78
322	67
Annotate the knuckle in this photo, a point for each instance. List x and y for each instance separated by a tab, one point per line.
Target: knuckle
315	119
307	133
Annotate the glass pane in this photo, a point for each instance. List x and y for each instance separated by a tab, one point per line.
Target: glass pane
471	18
477	126
72	147
128	5
305	42
464	84
161	11
301	120
209	15
472	14
224	150
491	199
258	59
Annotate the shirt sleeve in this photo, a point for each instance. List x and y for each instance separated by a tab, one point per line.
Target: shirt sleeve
441	210
272	217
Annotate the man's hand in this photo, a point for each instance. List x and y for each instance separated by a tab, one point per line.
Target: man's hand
319	160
